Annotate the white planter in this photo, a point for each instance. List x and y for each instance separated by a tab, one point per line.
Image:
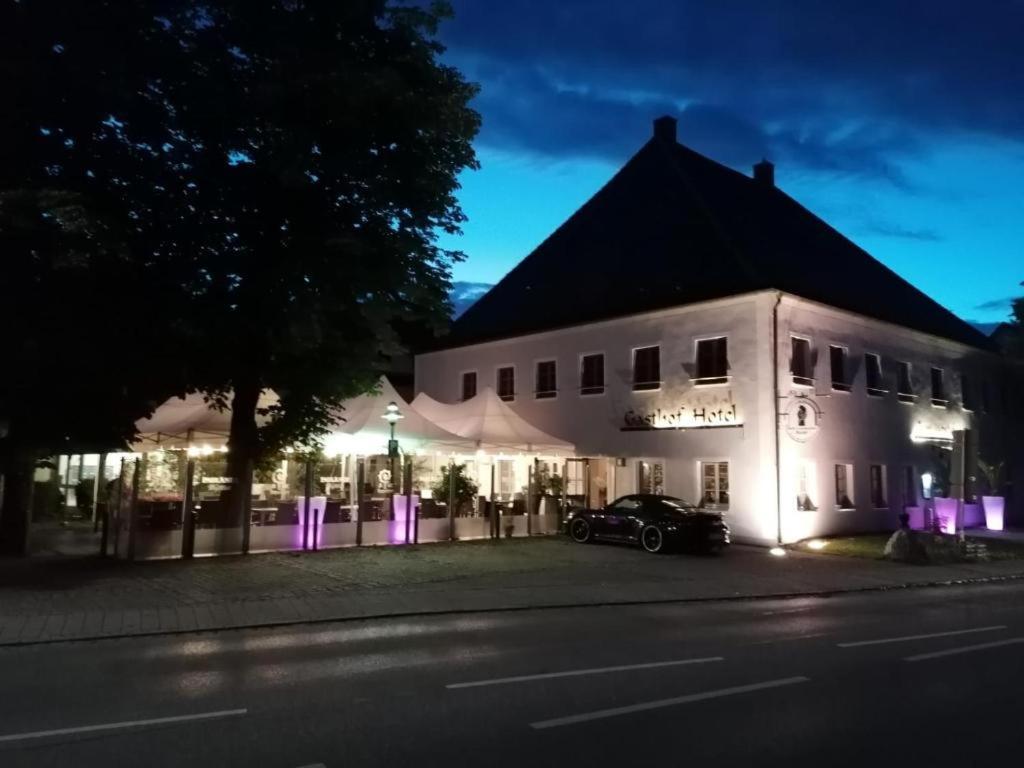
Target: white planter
993	506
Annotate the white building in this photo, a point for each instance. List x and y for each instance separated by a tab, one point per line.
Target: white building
698	333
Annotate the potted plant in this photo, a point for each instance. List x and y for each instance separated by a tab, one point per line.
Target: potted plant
465	490
993	504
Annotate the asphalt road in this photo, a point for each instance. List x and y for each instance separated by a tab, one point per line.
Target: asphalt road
843	681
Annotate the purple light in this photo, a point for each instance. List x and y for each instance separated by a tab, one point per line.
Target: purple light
994	506
945	512
317	505
396	530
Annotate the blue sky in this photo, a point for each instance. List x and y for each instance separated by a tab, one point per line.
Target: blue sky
899	122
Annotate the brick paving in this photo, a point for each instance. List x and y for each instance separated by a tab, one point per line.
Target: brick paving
53	599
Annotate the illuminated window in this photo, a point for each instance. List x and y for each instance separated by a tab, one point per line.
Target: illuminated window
877	475
904	384
505	471
800	364
715	484
938	389
844	486
592	374
507	383
647	368
547	380
805	487
873	375
837	358
712	361
468	385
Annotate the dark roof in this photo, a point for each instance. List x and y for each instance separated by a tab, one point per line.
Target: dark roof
673	227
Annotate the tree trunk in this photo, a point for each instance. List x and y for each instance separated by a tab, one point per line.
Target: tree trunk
243	448
16	504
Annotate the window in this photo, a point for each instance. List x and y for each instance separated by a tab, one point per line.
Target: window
844	490
800	363
592	374
873	374
505	470
647	368
909	487
712	361
507	383
904	385
714	484
877	475
967	393
625	504
805	487
837	357
938	390
547	380
650	477
468	385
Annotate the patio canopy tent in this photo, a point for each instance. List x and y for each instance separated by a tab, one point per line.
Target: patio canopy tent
190	421
491	425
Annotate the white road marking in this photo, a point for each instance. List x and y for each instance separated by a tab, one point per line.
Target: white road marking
908	638
121	725
964	649
644	707
580	672
791	638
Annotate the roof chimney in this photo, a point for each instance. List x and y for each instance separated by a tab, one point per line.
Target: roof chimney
764	173
665	129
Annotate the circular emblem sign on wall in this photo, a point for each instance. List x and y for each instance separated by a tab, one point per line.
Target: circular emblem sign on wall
802	418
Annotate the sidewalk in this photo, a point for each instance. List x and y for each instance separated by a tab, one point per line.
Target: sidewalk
55	599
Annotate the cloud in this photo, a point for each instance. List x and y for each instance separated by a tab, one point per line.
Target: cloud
463	295
848	86
996	305
889	229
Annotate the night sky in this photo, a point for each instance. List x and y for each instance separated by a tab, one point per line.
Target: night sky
900	122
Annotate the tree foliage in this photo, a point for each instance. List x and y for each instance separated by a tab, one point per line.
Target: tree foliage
240	195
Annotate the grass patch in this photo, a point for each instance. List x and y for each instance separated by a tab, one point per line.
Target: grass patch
871	546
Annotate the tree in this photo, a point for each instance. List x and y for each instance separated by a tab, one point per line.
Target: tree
84	308
269	178
326	140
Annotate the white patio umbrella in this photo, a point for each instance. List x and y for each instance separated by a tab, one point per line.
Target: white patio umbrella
188	421
362	429
490	424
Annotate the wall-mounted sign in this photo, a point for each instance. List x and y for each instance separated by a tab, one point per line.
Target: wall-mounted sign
801	418
696	411
931	433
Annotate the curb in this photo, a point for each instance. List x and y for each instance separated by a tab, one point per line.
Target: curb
521	608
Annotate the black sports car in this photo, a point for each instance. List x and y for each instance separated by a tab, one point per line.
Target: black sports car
657	523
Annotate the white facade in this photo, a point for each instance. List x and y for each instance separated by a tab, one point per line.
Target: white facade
719	440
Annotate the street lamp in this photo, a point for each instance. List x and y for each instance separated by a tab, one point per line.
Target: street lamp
392	415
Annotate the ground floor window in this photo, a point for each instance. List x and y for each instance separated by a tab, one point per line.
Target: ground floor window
844	486
505	479
909	487
650	477
714	483
877	474
805	487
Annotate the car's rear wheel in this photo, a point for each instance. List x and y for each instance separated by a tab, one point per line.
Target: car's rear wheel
580	531
652	539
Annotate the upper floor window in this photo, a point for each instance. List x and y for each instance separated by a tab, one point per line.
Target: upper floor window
592	374
507	383
647	368
904	384
468	385
712	361
547	379
967	393
938	388
837	359
800	364
873	374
